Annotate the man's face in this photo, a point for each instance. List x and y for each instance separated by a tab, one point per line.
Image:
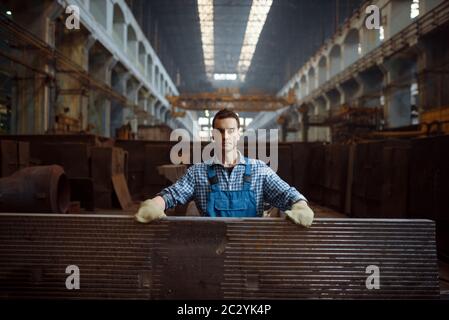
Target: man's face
227	133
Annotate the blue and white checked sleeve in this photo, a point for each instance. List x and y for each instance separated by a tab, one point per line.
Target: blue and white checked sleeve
181	192
278	193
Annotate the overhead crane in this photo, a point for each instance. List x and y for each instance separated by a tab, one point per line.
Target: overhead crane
231	100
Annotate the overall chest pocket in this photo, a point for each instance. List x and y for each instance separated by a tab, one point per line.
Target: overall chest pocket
230	204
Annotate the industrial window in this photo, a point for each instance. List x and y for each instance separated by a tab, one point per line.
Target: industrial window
203	121
381	33
414	9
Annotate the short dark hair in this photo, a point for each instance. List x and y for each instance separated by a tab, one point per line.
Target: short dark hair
226	113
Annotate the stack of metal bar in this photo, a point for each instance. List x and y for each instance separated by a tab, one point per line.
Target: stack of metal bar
210	258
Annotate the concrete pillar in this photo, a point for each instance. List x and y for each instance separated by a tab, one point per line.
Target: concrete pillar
320	112
398	13
296	90
311	80
168	119
371	83
131	44
305	113
33	93
335	60
72	98
323	133
132	90
119	79
143	102
160	113
155	112
370	39
433	54
427	5
142	56
153	109
322	71
101	64
161	84
312	113
333	99
119	32
164	116
400	75
303	87
351	48
100	9
350	92
142	99
153	75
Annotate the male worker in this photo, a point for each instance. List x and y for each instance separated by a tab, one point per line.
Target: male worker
229	185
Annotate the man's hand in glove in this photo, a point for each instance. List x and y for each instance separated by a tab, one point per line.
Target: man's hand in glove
301	214
151	210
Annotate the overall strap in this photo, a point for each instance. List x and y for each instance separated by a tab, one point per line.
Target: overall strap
213	179
247	175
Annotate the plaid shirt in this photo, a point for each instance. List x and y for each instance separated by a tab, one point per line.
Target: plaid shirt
268	186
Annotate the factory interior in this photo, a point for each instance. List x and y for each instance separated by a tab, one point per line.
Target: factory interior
106	103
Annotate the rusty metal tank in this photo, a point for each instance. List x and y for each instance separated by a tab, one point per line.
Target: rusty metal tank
39	189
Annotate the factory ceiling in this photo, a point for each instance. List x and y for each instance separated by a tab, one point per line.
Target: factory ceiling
200	40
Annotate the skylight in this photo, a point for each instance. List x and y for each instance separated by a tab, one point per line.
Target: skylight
206	15
381	33
225	76
414	9
257	17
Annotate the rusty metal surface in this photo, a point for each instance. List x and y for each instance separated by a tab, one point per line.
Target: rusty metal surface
73	157
380	178
82	190
117	257
121	191
276	260
55	138
156	154
105	163
14	155
24	154
428	186
135	163
204	258
173	172
35	189
8	157
37	140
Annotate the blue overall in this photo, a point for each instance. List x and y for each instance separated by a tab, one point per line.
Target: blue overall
235	204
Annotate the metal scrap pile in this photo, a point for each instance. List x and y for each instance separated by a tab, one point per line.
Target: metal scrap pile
350	123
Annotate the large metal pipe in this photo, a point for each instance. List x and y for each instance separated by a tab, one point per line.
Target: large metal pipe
37	189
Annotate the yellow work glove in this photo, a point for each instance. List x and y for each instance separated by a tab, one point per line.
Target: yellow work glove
149	211
301	214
